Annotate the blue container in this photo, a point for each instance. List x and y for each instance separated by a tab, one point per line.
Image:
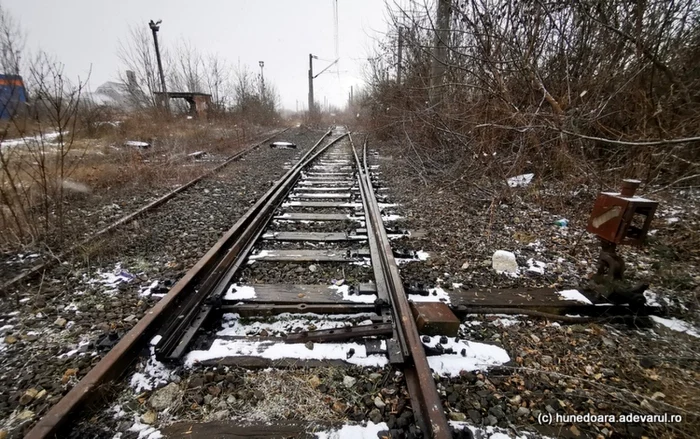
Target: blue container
12	95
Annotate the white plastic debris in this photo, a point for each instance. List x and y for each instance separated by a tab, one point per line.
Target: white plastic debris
137	144
504	262
283	145
520	180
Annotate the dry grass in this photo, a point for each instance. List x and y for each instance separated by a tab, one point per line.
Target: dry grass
99	168
278	388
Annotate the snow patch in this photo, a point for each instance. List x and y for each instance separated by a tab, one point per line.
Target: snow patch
435	295
652	298
276	351
259	255
534	266
286	323
677	325
240	292
359	298
493	432
111	279
505	320
144	431
574	295
388	218
369	431
147	291
477	356
31	140
153	375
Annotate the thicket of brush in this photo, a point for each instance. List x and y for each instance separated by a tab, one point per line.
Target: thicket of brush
584	91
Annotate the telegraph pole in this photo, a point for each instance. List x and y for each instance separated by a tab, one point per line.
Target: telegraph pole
311	84
155	27
262	78
399	57
442	35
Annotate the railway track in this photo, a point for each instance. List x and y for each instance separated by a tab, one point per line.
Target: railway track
323	213
39	268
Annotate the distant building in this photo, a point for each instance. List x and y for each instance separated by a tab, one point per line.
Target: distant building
12	95
111	94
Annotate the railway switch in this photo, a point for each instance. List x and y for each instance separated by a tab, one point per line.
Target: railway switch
619	218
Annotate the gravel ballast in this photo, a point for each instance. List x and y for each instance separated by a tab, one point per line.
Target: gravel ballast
56	327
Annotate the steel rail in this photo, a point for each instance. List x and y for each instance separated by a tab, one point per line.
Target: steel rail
128	218
118	359
194	312
425	398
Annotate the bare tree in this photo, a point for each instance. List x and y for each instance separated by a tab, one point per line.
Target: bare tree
217	81
187	71
137	55
552	85
34	167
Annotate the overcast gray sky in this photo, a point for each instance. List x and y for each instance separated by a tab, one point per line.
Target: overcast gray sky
85	33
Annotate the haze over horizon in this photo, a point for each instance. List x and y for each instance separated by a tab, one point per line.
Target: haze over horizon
282	34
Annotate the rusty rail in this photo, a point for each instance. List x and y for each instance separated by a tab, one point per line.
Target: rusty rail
118	359
128	218
427	405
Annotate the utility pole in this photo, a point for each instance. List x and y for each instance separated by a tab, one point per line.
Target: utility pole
399	57
262	79
442	34
311	84
155	27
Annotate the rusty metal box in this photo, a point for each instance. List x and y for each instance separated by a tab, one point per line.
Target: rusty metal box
621	219
435	318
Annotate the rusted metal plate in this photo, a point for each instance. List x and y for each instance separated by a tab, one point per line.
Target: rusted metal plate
513	298
341	334
257	310
318	217
307	256
435	318
296	293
